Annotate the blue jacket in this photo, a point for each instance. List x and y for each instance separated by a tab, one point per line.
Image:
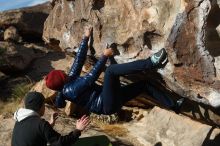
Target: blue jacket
83	90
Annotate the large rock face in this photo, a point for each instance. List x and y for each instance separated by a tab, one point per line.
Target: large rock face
139	25
131	24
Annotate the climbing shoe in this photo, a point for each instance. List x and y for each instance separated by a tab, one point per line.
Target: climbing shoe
159	58
178	105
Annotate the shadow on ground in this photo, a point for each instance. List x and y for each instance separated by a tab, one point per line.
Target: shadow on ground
211	142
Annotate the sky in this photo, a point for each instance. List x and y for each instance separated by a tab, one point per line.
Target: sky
14	4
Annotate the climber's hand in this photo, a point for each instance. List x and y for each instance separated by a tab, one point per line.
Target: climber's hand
108	51
88	31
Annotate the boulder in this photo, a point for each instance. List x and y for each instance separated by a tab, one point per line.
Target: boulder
148	128
137	26
11	34
161	127
29	21
48	94
15	57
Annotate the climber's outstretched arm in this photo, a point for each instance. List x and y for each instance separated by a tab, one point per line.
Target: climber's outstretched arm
93	75
81	55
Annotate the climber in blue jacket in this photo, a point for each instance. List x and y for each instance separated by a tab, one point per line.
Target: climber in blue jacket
109	98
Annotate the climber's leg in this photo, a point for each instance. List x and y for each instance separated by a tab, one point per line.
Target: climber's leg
159	95
112	83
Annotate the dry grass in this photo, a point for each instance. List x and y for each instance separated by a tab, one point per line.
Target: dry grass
109	124
10	107
20	90
15	101
114	130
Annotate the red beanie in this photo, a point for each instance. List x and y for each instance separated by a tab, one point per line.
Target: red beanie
56	79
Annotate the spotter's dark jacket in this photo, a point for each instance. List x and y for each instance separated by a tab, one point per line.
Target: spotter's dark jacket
31	130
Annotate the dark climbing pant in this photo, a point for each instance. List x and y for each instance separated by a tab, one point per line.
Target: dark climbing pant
115	96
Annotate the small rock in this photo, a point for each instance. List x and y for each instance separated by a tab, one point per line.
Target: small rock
218	2
217	66
218	30
11	34
70	108
2	76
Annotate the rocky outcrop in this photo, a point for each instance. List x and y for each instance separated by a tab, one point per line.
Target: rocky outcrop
137	26
18	29
142	128
188	30
160	127
28	21
20	44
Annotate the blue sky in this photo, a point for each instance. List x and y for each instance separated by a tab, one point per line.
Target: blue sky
14	4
